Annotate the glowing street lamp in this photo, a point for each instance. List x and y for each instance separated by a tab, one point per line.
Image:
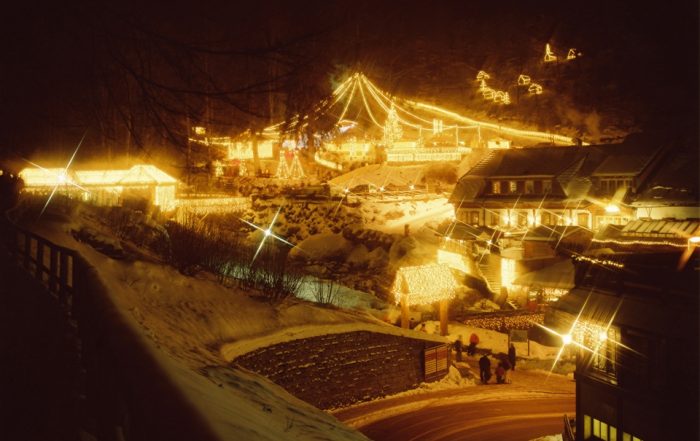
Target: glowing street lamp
566	339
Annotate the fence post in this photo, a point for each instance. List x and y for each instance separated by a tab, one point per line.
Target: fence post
27	250
63	277
39	260
53	270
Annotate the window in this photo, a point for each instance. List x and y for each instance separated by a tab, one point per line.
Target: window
513	186
474	217
546	187
546	218
537	186
496	187
582	220
529	187
595	428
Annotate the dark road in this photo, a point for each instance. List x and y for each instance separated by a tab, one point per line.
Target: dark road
532	406
512	420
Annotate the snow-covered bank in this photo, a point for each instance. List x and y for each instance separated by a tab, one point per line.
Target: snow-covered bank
181	322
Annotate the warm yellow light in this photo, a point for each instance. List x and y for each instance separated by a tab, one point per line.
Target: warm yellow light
566	339
524	80
602	336
605	262
612	208
481	76
548	54
694	240
422	285
61	178
572	54
199	130
535	89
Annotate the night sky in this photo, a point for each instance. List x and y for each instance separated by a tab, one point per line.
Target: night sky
140	75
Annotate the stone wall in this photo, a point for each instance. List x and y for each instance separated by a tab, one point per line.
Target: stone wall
336	370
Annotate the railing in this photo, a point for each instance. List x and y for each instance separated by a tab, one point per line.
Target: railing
129	394
568	433
52	265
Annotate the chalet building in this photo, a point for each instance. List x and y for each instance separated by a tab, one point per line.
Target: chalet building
515	189
141	184
633	319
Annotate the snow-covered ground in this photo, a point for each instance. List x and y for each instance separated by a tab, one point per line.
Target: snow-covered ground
195	327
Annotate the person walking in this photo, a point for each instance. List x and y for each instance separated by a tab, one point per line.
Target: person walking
458	348
511	355
485	369
473	341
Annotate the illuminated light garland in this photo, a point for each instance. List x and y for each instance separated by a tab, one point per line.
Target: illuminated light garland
381	99
535	89
482	86
481	76
347	104
641	242
425	284
488	94
524	80
572	54
392	129
548	54
604	262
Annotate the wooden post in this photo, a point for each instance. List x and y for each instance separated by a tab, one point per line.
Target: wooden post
63	277
27	250
443	316
404	311
53	270
39	261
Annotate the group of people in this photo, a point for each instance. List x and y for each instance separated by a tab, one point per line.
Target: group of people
502	369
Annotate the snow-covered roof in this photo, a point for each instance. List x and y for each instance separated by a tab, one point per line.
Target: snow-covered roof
424	284
138	174
43	177
559	275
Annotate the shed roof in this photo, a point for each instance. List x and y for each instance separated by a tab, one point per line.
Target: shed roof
424	284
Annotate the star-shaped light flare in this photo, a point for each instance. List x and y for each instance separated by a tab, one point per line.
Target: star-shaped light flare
62	177
267	232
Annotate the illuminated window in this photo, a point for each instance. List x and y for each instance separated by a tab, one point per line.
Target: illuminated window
593	427
529	187
496	187
582	220
512	186
587	427
474	217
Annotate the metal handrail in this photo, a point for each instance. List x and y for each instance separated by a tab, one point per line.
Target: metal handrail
568	433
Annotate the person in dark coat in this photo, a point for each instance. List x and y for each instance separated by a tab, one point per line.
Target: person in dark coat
485	369
511	355
458	348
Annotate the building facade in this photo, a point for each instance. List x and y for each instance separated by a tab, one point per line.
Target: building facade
633	319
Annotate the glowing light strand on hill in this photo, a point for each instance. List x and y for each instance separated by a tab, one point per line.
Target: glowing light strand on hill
604	262
548	54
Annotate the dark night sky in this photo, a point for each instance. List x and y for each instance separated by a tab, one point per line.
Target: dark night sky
76	66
